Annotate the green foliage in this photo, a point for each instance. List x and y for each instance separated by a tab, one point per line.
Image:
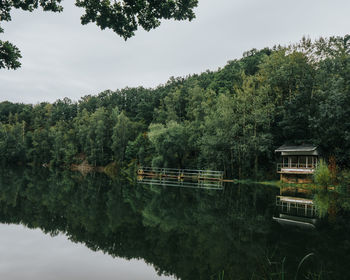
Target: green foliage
63	149
12	143
231	119
123	17
343	188
123	132
322	202
170	142
9	55
322	175
238	129
140	150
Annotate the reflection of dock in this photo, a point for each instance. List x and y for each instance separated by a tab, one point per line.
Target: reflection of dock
295	211
204	179
181	174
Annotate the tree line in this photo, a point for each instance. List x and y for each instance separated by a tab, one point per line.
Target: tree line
231	119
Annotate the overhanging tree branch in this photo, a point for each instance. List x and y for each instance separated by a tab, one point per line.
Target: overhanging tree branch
123	17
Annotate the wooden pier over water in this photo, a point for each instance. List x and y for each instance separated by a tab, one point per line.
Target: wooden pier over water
206	179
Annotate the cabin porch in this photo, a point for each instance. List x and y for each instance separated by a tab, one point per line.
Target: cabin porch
297	164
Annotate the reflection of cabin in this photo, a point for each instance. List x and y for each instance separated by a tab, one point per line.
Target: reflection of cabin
298	163
295	211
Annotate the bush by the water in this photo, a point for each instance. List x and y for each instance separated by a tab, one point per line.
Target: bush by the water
322	175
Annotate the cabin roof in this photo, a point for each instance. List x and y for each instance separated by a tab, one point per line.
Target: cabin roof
296	148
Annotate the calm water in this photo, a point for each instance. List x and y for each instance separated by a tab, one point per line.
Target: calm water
31	254
61	225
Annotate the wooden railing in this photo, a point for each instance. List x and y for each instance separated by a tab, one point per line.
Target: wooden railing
296	206
190	178
208	175
296	165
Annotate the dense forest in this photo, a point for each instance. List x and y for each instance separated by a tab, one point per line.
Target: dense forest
231	119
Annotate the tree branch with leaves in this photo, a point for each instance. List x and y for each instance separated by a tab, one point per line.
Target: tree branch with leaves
123	17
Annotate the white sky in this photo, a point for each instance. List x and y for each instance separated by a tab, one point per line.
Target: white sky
62	58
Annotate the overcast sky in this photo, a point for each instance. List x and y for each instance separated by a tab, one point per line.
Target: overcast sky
62	58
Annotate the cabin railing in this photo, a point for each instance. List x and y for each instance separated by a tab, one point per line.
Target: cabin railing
296	165
296	206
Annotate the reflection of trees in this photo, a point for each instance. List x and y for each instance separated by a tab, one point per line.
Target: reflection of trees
193	234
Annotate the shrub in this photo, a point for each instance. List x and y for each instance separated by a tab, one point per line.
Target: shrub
322	175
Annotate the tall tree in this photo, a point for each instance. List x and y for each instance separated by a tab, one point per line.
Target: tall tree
99	137
170	142
123	132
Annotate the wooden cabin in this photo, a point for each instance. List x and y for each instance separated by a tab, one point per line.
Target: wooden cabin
297	163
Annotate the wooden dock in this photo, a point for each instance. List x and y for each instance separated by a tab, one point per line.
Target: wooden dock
205	179
182	174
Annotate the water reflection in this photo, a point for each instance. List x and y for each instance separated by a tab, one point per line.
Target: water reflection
188	233
29	254
295	211
217	185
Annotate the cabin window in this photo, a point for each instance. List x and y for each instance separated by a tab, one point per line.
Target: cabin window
310	161
284	161
302	161
292	161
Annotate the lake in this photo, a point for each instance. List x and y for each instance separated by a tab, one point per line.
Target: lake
63	225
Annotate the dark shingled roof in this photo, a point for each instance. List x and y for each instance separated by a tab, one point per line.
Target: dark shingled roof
299	148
